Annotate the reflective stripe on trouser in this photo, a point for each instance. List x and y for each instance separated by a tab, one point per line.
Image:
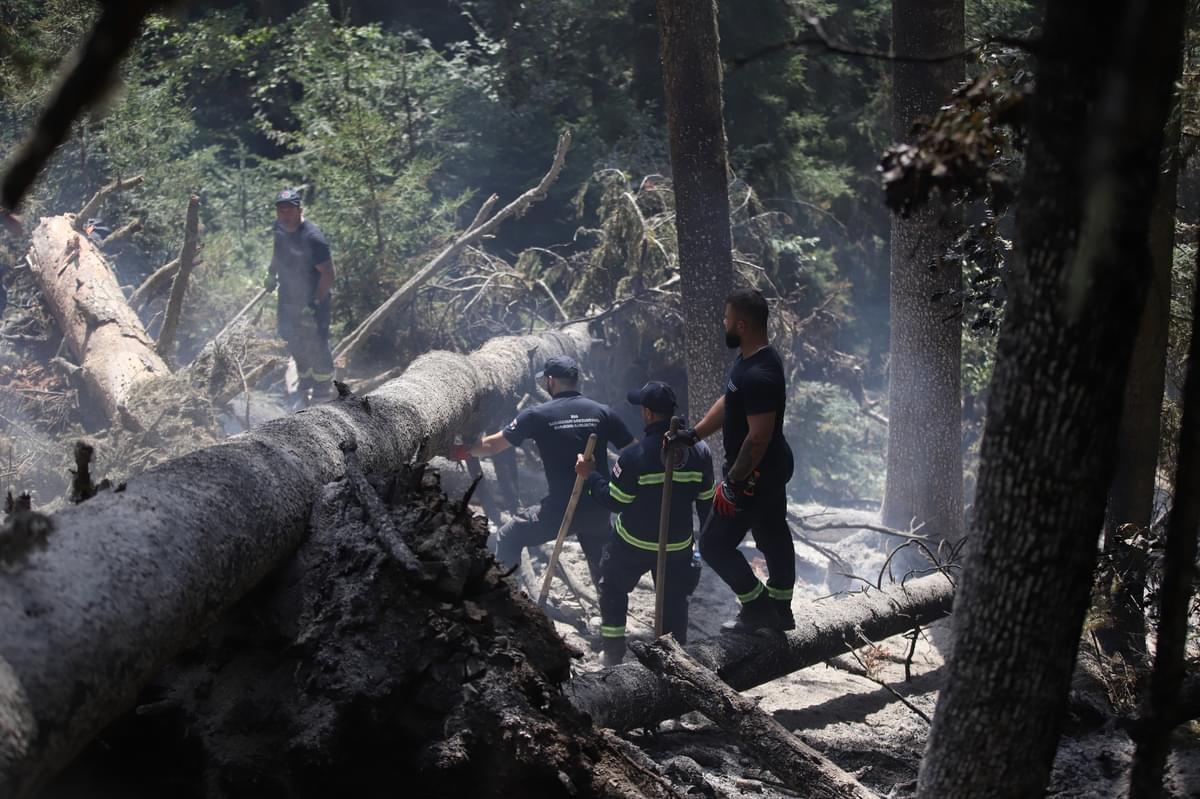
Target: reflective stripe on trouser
766	516
620	571
310	349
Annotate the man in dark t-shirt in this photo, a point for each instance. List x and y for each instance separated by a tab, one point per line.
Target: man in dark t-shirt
560	428
302	268
758	465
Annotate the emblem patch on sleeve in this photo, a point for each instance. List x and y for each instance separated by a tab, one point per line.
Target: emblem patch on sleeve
617	470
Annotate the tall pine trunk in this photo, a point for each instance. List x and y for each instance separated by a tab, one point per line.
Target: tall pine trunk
1080	274
1131	497
691	64
924	454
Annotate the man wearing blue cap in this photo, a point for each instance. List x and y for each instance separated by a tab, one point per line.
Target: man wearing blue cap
302	268
635	493
560	428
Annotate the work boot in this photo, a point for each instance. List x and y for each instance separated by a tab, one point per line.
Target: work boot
612	651
783	608
757	614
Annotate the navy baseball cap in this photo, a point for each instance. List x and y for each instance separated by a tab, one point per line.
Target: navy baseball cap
655	395
288	197
560	366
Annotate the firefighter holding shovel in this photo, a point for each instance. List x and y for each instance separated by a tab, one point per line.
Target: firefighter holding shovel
560	428
639	493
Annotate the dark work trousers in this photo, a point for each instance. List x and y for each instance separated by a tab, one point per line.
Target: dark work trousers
306	331
622	567
766	516
530	528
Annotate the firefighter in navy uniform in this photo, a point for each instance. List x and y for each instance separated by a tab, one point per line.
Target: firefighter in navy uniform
635	492
560	428
302	268
758	465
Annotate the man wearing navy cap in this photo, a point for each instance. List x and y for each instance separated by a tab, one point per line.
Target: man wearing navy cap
302	268
560	428
635	493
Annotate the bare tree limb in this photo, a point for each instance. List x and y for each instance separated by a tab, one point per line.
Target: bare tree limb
122	232
821	39
90	207
187	259
479	228
153	284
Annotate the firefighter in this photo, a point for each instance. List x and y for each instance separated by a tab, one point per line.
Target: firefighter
635	492
752	496
560	428
302	268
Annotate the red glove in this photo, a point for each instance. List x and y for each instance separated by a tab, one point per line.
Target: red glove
725	499
729	494
460	452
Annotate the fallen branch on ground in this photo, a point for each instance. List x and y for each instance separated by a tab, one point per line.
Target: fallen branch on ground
795	763
630	695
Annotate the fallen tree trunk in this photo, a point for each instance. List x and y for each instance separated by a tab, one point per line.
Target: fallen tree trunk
795	763
127	579
387	657
630	695
102	331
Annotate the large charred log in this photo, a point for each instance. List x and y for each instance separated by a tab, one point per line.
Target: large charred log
348	673
630	695
101	330
128	579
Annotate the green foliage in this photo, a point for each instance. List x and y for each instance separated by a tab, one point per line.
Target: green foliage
840	453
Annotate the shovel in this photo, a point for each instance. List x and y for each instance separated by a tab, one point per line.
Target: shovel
664	525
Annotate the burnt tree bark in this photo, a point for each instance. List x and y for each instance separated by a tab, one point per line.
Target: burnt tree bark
1079	278
924	482
127	579
1175	594
795	763
691	66
630	695
102	331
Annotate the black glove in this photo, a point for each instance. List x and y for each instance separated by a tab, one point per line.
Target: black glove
271	281
684	437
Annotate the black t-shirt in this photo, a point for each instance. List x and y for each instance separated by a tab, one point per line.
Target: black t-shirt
560	428
756	385
296	258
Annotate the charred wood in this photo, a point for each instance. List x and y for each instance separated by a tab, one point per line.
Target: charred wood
795	763
630	695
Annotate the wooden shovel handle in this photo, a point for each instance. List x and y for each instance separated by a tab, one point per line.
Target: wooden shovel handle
566	523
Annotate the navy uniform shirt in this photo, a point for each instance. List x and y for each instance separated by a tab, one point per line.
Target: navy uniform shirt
560	428
635	491
756	385
295	258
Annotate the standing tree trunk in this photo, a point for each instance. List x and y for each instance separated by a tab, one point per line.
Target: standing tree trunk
924	452
691	64
1175	595
187	260
1131	497
1080	273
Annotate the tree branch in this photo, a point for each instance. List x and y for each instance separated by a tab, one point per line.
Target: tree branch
819	38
